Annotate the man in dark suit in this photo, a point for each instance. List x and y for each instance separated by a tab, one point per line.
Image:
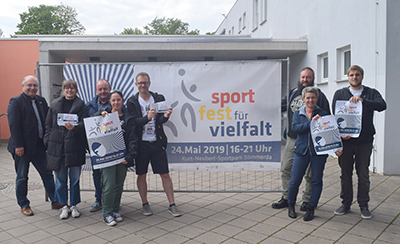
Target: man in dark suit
26	118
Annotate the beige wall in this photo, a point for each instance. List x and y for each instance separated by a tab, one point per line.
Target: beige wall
17	59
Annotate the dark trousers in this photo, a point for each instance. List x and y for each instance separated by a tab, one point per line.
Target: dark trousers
358	155
39	161
98	185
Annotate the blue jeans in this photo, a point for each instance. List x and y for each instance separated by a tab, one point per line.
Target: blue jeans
286	169
39	161
98	185
300	164
62	184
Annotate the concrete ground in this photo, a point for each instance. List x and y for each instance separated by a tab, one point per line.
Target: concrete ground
208	218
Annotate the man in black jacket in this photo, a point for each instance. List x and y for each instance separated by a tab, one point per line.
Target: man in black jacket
357	151
295	103
152	141
26	118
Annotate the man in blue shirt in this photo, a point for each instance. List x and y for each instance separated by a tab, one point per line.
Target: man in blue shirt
99	103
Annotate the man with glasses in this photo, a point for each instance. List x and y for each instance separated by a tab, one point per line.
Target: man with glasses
152	141
99	103
26	118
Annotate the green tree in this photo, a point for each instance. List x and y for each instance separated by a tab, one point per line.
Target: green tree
163	26
46	19
130	31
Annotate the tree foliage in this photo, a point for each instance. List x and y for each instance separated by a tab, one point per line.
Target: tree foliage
46	19
130	31
163	26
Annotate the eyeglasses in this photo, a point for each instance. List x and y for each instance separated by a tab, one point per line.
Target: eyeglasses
142	83
31	85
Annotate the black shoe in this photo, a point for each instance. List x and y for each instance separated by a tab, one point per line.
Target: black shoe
281	204
365	213
310	213
292	213
304	206
342	210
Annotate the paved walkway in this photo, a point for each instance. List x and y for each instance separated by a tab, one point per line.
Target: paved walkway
209	217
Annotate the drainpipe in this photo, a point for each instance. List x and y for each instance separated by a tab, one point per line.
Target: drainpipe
374	149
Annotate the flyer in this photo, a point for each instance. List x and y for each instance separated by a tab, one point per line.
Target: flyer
348	117
325	135
161	107
63	118
105	140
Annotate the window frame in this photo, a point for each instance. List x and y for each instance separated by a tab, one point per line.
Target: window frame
244	21
342	64
255	14
263	15
322	67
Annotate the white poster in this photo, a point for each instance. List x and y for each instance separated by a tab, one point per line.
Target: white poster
105	140
348	117
226	115
325	135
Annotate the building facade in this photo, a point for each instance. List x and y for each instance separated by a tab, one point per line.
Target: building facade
339	33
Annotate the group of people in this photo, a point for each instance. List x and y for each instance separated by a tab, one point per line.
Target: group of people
306	103
37	137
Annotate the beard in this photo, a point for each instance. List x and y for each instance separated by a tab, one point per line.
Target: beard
355	85
300	86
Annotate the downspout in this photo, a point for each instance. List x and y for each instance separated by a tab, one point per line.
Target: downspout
374	149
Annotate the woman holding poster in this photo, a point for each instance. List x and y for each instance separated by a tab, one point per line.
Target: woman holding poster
113	177
65	140
305	153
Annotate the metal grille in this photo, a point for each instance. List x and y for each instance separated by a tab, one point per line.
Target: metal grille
219	181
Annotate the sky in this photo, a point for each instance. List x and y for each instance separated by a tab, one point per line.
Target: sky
109	17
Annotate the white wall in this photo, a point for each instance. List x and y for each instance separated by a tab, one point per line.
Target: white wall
328	26
392	133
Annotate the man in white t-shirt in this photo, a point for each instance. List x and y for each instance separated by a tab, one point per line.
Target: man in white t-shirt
357	151
152	141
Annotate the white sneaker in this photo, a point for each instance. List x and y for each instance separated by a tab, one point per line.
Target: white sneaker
109	220
74	212
65	212
117	217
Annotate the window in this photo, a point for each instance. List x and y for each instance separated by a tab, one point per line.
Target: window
346	61
343	62
244	20
323	67
255	14
263	11
240	23
233	30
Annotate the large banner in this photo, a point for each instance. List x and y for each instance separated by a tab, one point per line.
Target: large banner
227	115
